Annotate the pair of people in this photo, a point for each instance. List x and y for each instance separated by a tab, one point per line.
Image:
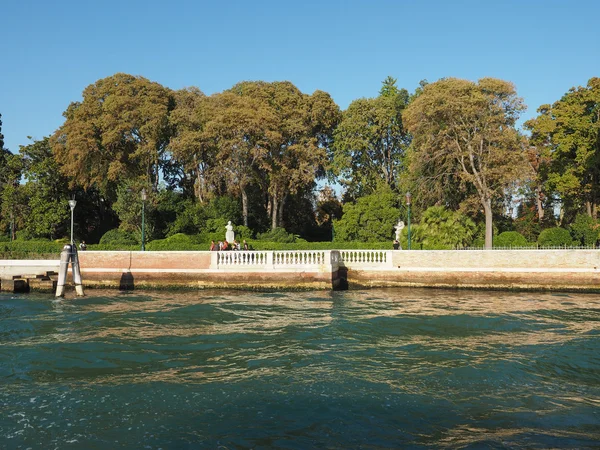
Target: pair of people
224	246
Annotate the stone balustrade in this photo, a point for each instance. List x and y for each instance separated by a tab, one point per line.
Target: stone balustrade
293	259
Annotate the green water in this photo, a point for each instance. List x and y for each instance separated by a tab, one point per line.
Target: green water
401	368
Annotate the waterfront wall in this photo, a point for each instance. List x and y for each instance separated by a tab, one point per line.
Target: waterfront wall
327	269
191	269
503	269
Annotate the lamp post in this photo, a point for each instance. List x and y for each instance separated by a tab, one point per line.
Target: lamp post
144	197
408	199
72	204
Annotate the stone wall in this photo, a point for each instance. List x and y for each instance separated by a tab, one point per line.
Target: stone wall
491	269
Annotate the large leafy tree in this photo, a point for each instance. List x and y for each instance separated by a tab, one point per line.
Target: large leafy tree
189	145
11	195
119	130
239	129
468	130
46	190
295	152
569	133
371	141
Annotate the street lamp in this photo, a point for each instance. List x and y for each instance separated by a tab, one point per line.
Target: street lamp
144	197
408	199
72	204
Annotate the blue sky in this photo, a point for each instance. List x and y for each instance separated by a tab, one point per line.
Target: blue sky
52	50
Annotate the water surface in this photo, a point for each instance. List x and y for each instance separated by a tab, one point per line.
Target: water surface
372	369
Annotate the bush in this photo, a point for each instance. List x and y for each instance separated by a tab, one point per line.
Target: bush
555	237
118	237
178	241
30	249
510	239
585	230
277	235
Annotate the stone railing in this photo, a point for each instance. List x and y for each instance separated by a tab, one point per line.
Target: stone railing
301	259
293	259
357	259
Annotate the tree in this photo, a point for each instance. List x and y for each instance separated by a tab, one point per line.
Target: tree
569	134
238	129
295	152
370	219
46	190
188	142
120	129
371	141
468	130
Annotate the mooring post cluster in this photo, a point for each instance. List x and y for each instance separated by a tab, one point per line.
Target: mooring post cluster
69	254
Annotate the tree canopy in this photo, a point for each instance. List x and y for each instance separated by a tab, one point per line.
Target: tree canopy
467	130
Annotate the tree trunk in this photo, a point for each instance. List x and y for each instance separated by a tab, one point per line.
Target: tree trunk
487	208
280	212
540	206
245	207
274	211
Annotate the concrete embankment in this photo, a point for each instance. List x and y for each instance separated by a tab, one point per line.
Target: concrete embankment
327	269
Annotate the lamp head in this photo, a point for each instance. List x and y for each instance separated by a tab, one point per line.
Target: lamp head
408	198
144	194
72	204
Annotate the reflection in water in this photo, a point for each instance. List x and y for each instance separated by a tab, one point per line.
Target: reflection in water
355	369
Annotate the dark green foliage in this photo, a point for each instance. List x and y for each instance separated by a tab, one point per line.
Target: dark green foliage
30	249
178	241
118	237
555	237
440	228
227	208
277	235
527	222
585	230
370	219
191	219
510	239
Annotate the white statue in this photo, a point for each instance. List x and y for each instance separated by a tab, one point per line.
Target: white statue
229	235
399	226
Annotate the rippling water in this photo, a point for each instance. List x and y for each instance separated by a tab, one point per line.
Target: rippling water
357	369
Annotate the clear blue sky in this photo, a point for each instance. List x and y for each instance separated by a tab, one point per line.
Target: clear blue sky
52	50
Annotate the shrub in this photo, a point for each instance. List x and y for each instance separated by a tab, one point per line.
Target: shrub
585	230
370	219
30	249
510	239
441	228
118	237
277	235
555	237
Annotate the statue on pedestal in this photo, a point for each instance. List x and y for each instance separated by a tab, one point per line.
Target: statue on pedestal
399	226
229	235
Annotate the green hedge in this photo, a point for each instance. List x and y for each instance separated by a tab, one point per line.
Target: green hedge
30	249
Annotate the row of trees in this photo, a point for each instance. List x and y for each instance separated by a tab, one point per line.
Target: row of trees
254	154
